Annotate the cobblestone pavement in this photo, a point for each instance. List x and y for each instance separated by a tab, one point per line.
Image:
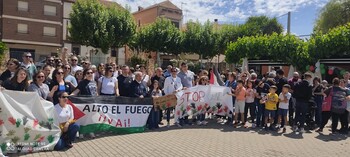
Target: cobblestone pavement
212	140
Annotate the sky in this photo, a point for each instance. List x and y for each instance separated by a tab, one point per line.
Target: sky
303	12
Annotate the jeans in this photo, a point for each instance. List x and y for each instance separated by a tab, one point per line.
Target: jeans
67	137
318	112
153	119
168	114
252	108
300	113
260	115
291	111
343	121
201	117
326	115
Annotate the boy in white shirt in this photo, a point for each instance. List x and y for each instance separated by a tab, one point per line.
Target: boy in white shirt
283	106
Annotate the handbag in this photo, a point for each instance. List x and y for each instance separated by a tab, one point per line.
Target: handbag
327	102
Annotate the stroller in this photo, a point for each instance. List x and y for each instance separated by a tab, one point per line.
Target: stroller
310	115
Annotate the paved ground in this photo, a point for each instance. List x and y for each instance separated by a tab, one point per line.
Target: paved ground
211	140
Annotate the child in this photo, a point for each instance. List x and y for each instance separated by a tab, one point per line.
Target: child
283	106
240	102
201	117
250	103
153	119
271	106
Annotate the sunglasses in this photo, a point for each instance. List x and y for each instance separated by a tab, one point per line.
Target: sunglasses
74	60
111	71
66	68
79	74
10	64
40	76
89	73
28	56
64	97
59	73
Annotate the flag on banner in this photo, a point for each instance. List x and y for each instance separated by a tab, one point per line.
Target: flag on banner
76	112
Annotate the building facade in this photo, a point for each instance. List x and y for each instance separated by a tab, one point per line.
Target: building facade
31	26
145	16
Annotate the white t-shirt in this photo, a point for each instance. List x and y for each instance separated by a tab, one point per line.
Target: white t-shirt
108	85
250	95
64	114
283	105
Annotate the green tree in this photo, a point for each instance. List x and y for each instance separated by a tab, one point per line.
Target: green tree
2	51
261	25
276	47
160	36
93	24
333	14
120	25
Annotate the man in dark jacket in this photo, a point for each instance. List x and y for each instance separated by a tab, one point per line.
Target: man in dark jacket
137	88
302	93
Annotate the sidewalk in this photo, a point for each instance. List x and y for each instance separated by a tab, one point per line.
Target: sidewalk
211	140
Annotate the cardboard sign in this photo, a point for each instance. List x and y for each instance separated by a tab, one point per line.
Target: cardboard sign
165	102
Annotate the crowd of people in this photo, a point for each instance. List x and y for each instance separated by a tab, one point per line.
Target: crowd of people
271	100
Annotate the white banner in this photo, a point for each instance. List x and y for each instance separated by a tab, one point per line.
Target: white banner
27	123
204	99
109	114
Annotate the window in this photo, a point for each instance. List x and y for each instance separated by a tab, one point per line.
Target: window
22	6
49	10
49	31
22	28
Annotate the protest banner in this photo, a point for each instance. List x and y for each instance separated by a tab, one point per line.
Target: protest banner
116	114
27	123
204	99
165	102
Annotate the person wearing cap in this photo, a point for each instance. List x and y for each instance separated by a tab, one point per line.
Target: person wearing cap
167	73
86	64
28	64
172	85
302	94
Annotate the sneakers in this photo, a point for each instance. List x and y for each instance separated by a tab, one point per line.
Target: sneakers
168	124
319	130
235	124
92	135
199	123
295	128
253	125
302	130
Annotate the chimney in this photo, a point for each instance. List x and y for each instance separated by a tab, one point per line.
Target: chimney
140	8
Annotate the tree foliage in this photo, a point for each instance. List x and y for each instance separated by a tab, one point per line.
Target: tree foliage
93	24
334	13
261	25
2	51
160	36
276	47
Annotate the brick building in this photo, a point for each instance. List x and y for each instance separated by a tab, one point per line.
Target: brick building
31	26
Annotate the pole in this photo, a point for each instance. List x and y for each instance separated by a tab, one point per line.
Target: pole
288	25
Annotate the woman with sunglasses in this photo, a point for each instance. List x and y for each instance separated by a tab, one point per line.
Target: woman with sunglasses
68	78
58	84
108	85
19	82
12	65
87	86
79	76
39	86
66	120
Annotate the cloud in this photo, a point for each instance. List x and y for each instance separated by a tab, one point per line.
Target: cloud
229	11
